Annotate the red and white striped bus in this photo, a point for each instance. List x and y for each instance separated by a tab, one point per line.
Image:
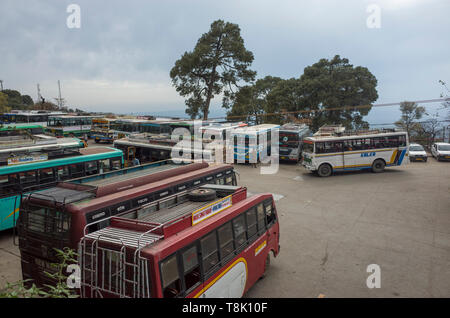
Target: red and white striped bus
213	241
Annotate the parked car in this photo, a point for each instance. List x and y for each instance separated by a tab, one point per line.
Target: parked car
441	151
417	153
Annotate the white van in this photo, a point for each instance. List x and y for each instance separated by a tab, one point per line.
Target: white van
441	151
417	153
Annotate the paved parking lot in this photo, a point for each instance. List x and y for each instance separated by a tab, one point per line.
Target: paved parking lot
333	228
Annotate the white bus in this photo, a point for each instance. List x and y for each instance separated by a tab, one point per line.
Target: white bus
373	150
252	139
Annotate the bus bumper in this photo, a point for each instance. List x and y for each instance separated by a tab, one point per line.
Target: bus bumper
309	166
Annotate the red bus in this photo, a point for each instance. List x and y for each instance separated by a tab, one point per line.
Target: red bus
210	242
58	217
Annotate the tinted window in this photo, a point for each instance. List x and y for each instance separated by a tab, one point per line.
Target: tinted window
251	222
170	277
77	170
239	230
46	175
270	215
226	240
209	251
191	267
261	217
28	178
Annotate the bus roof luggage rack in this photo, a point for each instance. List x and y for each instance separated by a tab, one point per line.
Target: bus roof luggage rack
330	130
65	193
294	126
126	237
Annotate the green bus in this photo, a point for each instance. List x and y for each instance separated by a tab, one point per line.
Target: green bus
12	130
44	170
70	126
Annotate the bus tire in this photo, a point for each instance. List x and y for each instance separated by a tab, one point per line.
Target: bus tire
325	170
201	195
378	165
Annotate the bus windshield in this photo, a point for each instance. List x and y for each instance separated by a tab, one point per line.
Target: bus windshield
46	221
308	147
288	138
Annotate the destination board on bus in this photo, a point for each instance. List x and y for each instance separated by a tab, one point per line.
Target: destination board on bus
210	210
27	159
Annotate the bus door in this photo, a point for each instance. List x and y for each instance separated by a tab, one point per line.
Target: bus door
131	154
340	157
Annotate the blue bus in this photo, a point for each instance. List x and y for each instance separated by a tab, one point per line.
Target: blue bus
37	171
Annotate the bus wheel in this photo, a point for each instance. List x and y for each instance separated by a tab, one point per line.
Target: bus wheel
378	166
324	170
200	195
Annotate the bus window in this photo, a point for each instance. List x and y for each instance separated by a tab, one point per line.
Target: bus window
251	223
261	218
62	173
191	267
27	179
170	277
325	147
239	230
220	181
402	141
46	175
105	165
4	183
76	170
91	168
379	142
269	212
229	180
226	240
37	217
209	252
116	164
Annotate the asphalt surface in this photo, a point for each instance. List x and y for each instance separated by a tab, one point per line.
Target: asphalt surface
333	228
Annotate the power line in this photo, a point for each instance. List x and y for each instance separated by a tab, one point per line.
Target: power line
425	101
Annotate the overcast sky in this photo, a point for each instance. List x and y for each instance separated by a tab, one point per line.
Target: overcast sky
120	58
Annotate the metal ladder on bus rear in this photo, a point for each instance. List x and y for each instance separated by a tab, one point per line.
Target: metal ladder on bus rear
89	259
137	286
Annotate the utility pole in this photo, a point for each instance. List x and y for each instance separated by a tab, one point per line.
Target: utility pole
39	94
1	84
59	91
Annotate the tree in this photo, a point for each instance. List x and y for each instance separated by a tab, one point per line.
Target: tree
14	99
217	64
27	100
427	131
250	102
331	84
287	96
18	101
4	103
411	113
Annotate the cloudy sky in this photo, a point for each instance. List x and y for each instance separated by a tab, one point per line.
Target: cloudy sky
120	58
